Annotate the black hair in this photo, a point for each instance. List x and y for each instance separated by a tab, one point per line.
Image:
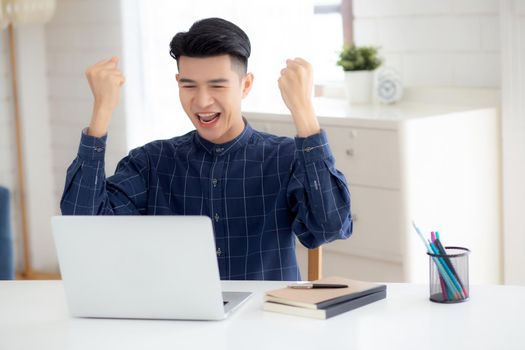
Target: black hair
213	37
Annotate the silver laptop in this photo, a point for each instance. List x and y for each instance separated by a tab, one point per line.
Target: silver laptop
154	267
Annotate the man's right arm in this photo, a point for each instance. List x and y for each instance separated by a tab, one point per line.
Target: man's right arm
88	192
105	81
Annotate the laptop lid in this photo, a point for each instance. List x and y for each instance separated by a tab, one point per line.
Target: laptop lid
158	267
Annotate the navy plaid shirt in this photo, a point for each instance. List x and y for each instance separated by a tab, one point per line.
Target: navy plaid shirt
260	191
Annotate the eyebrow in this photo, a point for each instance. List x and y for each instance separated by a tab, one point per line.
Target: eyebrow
213	81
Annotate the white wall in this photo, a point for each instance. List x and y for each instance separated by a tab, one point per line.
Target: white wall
453	43
8	175
55	105
513	131
80	34
6	124
35	141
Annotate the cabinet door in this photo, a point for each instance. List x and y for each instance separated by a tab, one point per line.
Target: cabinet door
377	225
368	157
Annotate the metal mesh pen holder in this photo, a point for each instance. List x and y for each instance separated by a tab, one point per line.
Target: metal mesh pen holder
449	280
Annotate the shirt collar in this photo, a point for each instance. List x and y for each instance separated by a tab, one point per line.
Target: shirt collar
224	148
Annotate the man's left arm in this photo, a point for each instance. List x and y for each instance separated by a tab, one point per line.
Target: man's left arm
317	192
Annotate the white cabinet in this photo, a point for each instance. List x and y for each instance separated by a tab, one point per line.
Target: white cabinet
436	165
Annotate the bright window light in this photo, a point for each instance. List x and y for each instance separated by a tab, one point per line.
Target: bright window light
278	29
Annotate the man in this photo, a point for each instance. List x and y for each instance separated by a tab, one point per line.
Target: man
260	190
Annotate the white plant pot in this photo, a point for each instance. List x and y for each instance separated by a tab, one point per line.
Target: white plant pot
358	86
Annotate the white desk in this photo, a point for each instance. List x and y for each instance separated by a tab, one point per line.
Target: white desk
33	315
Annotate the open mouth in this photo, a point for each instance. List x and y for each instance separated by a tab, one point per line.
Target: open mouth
208	119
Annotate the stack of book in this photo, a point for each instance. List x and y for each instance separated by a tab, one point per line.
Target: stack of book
323	303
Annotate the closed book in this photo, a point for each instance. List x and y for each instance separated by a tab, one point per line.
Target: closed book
327	312
322	298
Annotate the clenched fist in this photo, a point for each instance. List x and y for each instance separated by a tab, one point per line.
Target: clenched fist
296	84
105	81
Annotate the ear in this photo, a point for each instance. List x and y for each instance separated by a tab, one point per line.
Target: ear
247	83
177	76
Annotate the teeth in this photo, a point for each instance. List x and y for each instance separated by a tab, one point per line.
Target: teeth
206	115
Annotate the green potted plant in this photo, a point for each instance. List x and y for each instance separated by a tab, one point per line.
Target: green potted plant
358	63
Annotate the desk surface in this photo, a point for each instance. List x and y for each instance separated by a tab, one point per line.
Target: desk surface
33	315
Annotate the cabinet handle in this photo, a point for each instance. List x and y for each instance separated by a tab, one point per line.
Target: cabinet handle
350	152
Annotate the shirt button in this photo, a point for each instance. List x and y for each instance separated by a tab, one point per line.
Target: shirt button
219	252
99	149
216	217
219	149
214	182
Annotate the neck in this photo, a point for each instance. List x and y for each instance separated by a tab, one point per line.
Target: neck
231	134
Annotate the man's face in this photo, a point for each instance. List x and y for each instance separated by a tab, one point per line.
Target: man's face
210	92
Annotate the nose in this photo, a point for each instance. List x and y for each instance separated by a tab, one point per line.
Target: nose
203	98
